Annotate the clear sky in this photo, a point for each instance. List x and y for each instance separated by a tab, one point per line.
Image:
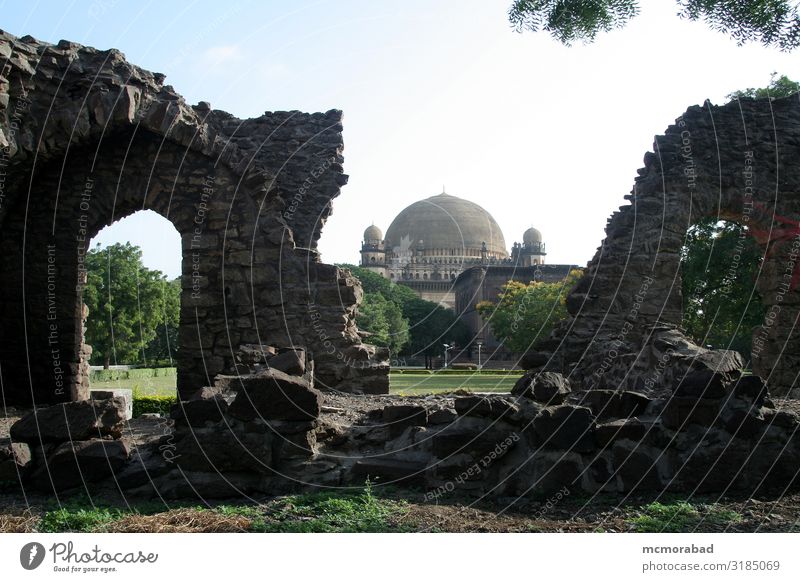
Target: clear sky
434	93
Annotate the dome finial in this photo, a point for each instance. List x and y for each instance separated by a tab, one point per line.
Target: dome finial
444	191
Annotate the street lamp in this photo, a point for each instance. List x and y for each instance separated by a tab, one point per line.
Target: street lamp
479	344
447	348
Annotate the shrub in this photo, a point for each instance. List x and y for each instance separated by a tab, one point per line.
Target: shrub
147	404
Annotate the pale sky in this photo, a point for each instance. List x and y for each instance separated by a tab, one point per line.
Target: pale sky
433	93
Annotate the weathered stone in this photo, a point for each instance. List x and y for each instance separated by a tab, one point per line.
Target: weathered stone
743	422
75	421
703	384
124	393
274	395
553	471
222	450
74	463
15	461
198	412
626	312
291	361
610	404
638	466
443	416
630	429
292	446
679	412
479	406
472	441
252	279
547	387
206	393
252	355
566	427
398	417
751	388
388	471
473	406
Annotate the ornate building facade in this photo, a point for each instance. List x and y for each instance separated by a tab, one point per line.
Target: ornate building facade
431	242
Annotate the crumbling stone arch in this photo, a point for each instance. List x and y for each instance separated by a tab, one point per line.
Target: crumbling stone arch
88	138
734	162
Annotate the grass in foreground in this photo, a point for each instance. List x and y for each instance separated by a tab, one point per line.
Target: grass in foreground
681	517
308	513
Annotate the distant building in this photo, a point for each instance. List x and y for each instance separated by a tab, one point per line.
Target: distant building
430	243
453	252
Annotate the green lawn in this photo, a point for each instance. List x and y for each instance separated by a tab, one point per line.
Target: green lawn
414	384
158	386
405	384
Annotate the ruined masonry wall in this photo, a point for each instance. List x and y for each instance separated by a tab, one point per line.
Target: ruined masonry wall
734	162
86	138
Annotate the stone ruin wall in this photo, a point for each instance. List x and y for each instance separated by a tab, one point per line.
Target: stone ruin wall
87	139
251	422
735	162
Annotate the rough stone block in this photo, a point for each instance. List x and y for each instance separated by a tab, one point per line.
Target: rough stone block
630	429
443	416
476	443
680	412
398	417
291	361
198	412
275	395
638	466
387	470
15	461
566	428
547	387
223	450
72	464
610	404
75	421
124	393
703	384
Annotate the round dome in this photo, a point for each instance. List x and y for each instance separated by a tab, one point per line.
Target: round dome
373	233
449	223
531	236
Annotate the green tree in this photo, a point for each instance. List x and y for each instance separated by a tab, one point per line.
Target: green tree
778	87
719	266
428	324
125	301
384	320
771	22
380	312
431	326
164	346
526	313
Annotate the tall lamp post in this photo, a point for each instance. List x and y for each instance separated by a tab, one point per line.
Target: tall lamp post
447	348
479	345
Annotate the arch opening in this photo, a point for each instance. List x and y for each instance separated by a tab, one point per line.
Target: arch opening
133	294
720	267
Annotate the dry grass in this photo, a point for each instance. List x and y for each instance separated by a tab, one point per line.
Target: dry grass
18	522
180	521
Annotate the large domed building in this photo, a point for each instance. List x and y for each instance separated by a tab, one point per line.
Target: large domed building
431	242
